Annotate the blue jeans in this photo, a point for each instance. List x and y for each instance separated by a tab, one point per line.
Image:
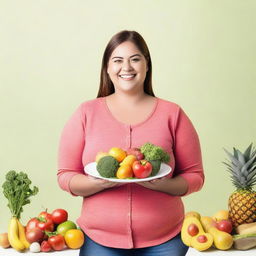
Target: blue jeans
173	247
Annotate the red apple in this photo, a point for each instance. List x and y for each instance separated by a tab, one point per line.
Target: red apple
225	225
193	229
136	152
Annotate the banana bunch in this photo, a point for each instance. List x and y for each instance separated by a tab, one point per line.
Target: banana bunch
16	235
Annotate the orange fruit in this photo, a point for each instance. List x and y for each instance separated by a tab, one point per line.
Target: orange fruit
117	153
74	238
124	172
130	159
100	155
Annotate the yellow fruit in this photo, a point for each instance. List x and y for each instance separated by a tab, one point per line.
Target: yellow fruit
100	155
129	160
202	242
221	240
220	215
124	172
22	235
74	238
13	235
193	214
117	153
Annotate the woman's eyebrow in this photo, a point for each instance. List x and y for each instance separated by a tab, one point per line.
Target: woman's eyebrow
130	56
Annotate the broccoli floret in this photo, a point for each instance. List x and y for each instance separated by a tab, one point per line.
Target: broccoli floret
153	152
156	164
107	166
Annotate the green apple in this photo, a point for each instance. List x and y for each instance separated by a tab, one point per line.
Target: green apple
65	226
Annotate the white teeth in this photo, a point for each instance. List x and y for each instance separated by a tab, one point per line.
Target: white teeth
127	76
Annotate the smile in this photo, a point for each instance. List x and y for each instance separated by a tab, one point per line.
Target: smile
127	77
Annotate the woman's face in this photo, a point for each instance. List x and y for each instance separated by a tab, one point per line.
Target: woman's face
127	68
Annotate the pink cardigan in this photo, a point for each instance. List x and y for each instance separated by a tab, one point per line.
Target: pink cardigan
130	216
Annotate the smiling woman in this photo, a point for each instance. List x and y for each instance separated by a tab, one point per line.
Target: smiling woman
116	217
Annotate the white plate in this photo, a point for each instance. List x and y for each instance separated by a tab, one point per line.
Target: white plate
91	170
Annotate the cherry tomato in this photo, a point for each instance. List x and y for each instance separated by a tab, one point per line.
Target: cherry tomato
59	216
57	242
45	246
142	169
35	235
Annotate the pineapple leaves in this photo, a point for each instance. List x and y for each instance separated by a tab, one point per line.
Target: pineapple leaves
242	167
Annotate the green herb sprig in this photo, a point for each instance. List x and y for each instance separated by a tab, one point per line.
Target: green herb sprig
17	190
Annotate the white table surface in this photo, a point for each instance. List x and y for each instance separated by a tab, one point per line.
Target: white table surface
191	252
12	252
214	252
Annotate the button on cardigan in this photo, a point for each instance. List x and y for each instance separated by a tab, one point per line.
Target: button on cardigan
130	216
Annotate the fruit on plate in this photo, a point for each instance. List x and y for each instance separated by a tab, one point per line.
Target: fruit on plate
65	226
118	153
193	234
136	152
244	242
124	172
221	215
74	238
4	242
129	160
221	240
142	169
242	202
225	225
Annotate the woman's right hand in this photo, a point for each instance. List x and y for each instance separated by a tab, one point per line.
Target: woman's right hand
86	185
104	183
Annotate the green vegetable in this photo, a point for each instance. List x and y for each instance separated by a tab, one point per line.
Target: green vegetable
153	152
107	166
17	190
156	164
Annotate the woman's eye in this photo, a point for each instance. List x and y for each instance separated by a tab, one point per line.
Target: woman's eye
135	60
117	61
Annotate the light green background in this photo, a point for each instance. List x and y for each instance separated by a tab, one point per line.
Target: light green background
203	55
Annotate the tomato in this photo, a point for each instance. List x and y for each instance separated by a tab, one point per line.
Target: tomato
45	246
57	242
124	171
31	224
45	215
35	235
45	224
74	238
117	153
59	216
142	169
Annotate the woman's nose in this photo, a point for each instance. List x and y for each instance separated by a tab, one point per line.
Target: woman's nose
127	65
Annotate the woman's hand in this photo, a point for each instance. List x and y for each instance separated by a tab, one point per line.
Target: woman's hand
175	186
104	183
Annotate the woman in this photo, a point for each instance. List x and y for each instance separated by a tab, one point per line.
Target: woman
141	218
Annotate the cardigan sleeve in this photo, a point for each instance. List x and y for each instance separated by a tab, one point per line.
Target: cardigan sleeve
187	153
71	148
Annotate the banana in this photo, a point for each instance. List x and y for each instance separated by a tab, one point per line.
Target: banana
22	235
13	235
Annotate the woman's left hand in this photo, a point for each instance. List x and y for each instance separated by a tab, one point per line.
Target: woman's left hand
155	184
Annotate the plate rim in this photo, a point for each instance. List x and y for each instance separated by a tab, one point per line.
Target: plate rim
130	180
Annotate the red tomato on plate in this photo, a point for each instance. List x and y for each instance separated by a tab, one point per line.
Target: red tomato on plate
142	169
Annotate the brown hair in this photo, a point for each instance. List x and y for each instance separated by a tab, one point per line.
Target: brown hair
106	86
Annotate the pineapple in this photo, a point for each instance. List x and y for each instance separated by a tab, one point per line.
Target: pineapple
242	202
